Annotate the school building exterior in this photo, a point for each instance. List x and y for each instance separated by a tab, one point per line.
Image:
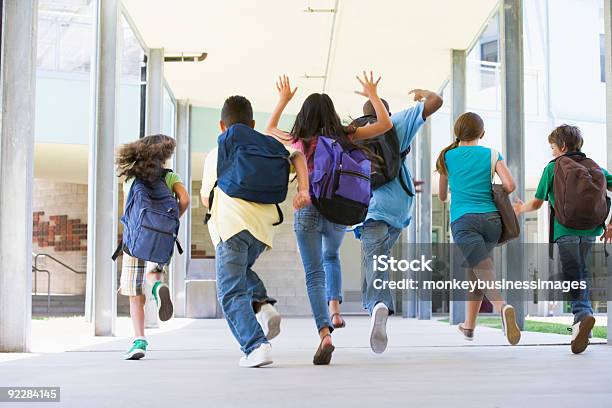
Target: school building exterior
79	103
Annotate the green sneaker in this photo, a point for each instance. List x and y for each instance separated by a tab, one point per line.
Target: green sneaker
161	294
137	351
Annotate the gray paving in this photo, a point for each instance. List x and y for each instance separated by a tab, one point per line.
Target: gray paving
427	364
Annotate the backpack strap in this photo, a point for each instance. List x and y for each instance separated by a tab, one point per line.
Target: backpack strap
179	248
211	197
399	176
117	251
281	218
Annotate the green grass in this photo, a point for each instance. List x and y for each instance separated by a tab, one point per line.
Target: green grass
539	327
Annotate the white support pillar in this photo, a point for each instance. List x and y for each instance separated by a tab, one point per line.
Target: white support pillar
103	194
408	238
183	167
154	125
17	91
425	210
458	84
155	91
608	25
513	133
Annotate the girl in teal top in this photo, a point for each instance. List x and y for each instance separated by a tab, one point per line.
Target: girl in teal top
475	221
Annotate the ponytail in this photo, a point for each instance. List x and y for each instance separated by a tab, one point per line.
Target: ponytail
441	162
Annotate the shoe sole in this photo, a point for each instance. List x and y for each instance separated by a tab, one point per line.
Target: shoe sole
464	336
323	357
273	327
137	355
261	364
513	333
581	341
166	309
378	336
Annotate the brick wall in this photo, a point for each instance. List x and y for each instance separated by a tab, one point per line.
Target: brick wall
60	218
60	230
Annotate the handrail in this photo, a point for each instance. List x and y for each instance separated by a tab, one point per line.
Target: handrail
71	269
36	270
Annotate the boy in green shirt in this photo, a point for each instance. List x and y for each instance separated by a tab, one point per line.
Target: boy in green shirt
574	244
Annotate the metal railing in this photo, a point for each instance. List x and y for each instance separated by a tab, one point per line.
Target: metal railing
36	270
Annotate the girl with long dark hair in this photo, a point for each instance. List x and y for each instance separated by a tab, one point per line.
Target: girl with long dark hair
319	239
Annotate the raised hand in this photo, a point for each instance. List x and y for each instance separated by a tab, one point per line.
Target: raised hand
284	88
368	84
419	94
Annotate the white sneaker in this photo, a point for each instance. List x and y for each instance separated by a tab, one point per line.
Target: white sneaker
269	319
580	334
378	328
259	357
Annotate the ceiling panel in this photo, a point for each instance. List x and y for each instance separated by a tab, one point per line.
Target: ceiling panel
250	42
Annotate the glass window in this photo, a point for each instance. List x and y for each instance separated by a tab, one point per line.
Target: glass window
489	51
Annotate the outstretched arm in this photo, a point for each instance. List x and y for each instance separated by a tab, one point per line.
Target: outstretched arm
285	95
383	120
520	207
431	101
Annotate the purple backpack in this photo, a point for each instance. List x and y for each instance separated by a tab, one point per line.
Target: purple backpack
340	182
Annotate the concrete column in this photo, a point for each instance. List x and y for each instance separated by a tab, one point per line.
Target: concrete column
154	117
183	167
513	133
103	195
608	25
17	91
155	91
408	238
458	84
425	210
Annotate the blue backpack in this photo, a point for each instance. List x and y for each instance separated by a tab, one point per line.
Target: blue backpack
340	185
251	166
150	222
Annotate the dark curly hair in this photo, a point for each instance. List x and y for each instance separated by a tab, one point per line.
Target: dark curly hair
144	158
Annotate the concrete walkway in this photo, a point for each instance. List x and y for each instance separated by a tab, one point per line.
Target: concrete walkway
427	364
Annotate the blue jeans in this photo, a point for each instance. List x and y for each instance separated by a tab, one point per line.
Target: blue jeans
477	235
319	242
377	238
574	252
238	286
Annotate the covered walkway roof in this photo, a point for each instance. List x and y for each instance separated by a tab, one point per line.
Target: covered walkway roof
250	42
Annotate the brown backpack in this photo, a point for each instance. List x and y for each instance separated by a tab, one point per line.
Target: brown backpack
580	190
510	224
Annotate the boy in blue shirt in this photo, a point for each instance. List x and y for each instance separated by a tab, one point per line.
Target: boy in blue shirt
389	212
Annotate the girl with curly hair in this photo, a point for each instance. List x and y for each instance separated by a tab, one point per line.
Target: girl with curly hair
146	159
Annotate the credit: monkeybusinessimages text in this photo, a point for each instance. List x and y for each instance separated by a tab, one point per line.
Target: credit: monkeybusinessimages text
385	263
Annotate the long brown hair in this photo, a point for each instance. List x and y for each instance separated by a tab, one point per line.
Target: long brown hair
469	126
144	158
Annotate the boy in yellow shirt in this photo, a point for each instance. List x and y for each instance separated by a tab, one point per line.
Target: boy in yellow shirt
241	230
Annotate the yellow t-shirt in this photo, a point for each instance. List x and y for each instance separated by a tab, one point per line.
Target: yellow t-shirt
230	215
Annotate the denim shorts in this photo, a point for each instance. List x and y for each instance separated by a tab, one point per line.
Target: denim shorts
477	235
